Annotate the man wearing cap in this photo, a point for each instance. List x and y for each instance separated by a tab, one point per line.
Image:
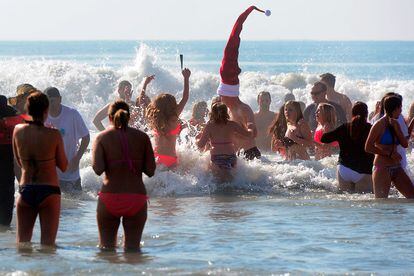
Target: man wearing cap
22	92
72	128
9	118
228	89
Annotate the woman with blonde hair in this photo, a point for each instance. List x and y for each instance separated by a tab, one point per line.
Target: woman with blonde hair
163	118
298	136
123	153
326	118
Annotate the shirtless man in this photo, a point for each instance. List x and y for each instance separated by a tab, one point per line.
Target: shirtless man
263	119
125	93
331	95
243	114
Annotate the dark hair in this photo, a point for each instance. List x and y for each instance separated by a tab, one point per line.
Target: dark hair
36	105
391	103
263	93
119	114
123	84
321	86
219	113
279	125
329	79
382	110
359	121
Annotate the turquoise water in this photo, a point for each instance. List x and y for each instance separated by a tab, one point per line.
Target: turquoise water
275	217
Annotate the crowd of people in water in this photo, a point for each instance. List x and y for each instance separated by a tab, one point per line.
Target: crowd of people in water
42	142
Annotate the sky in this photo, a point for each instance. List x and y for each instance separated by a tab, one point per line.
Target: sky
205	20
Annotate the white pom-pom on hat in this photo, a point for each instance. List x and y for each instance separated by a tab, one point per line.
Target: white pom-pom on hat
268	12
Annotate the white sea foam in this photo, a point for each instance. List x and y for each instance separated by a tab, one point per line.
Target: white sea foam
89	87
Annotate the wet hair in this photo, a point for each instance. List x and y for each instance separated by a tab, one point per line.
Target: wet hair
329	114
160	111
296	106
328	78
359	125
382	110
263	93
198	109
391	103
321	86
118	112
279	125
36	105
219	113
3	101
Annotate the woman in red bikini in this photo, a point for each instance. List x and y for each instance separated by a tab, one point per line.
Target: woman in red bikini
123	153
163	117
38	151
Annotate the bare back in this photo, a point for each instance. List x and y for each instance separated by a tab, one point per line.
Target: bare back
263	121
123	159
38	151
243	114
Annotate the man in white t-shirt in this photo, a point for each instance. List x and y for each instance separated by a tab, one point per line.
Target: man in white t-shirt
72	128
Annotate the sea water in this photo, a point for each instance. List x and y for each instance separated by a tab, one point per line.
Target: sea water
275	217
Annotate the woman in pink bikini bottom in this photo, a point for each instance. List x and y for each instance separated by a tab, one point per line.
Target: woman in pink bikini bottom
123	194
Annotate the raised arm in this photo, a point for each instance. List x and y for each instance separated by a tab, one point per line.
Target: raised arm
100	116
186	91
143	100
332	136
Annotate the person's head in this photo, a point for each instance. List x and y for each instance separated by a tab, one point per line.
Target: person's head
360	109
125	90
264	99
161	110
292	111
289	97
359	123
22	92
54	97
393	106
219	113
318	92
382	109
37	106
229	101
118	114
326	114
328	79
199	110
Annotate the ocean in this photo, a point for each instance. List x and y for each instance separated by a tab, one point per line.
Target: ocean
275	217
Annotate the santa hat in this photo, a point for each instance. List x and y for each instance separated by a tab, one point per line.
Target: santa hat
229	70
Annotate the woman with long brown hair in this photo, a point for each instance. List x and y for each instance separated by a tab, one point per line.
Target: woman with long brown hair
163	118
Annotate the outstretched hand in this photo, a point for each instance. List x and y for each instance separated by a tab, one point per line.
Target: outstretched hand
148	79
186	73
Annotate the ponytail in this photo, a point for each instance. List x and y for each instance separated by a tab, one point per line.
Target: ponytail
359	124
119	114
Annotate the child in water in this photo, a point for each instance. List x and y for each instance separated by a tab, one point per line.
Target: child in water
163	118
220	132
